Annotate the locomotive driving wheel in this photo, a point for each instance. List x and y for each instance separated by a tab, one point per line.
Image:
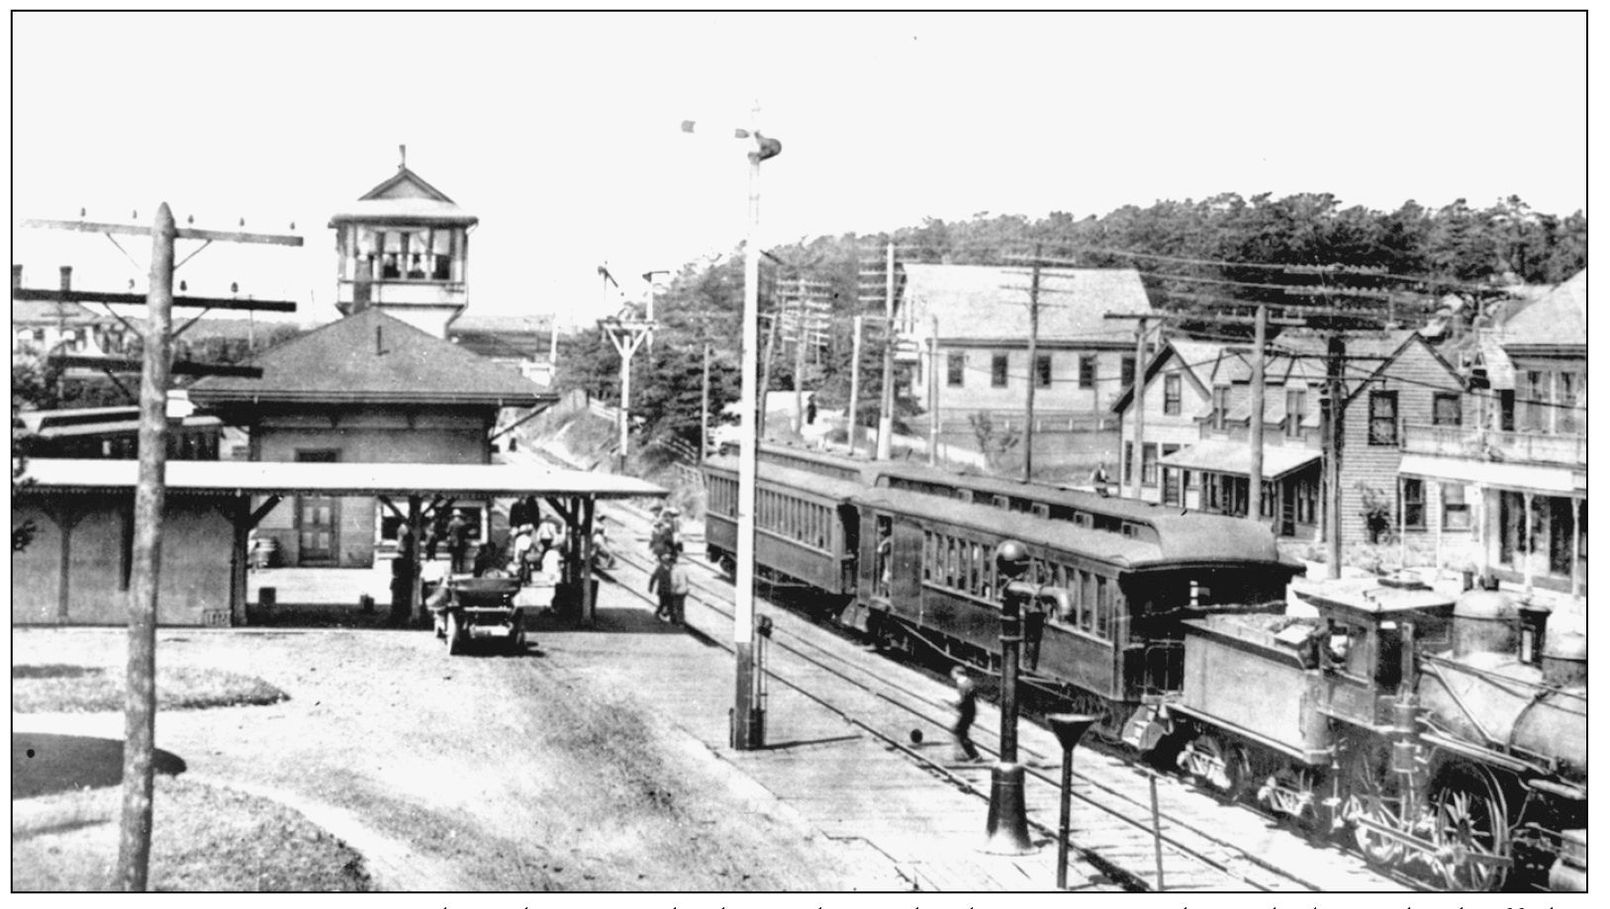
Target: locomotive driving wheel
1471	825
1373	796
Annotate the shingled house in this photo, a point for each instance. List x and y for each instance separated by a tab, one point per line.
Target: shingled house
1083	361
372	388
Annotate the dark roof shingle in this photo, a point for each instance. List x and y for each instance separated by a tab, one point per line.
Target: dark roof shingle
376	358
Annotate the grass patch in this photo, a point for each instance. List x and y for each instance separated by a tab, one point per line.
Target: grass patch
204	838
55	688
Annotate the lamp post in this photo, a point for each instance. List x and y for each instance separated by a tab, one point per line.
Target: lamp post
1007	828
1069	729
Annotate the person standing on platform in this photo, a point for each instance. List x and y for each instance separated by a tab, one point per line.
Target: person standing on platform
660	582
678	581
458	541
402	574
966	705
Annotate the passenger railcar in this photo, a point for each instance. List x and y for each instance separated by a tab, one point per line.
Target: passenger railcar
806	530
1105	629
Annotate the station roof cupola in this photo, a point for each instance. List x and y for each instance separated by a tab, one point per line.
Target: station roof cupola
403	247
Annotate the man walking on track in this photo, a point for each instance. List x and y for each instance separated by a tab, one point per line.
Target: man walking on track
966	704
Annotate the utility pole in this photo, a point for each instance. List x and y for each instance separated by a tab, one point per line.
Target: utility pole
1137	459
1335	357
139	725
627	335
799	354
1034	373
933	393
1255	424
765	370
886	404
704	407
855	385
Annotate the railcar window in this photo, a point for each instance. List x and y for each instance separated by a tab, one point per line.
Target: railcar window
1040	509
1104	606
1002	502
1087	602
1081	519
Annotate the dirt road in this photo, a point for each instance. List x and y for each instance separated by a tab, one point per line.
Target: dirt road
476	773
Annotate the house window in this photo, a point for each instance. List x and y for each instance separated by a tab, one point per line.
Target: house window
1127	372
1129	461
1413	500
1171	478
1296	407
1087	371
1537	395
1455	510
1266	501
955	367
1383	418
1042	370
1445	409
997	370
1506	409
1568	412
1148	464
1307	501
1221	404
1171	394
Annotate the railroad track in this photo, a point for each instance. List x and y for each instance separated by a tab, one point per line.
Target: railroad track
1194	854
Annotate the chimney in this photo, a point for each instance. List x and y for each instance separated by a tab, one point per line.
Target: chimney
380	343
66	285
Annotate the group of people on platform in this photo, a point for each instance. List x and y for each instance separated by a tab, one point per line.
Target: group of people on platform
670	577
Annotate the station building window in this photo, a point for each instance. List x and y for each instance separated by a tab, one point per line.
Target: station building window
997	370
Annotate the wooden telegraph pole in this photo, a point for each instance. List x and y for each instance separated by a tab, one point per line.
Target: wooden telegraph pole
1255	423
933	393
1034	374
139	727
134	838
855	384
704	408
886	402
1137	460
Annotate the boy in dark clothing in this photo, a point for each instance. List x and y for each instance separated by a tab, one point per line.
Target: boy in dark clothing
966	703
670	580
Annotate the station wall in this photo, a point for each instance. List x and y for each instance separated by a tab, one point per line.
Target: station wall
89	585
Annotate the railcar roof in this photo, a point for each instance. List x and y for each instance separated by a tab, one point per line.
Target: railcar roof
1099	544
802	480
1130	509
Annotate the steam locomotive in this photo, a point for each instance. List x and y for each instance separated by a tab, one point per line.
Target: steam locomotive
1447	737
1446	740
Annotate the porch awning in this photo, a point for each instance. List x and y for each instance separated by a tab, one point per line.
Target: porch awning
1497	474
1221	456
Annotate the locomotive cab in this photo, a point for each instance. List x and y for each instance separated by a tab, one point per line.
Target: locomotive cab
1364	644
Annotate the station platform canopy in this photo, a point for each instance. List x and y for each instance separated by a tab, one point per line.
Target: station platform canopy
45	475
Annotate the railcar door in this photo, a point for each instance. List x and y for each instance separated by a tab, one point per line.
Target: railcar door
849	548
904	589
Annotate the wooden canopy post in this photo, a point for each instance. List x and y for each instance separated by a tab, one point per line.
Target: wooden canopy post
411	550
589	507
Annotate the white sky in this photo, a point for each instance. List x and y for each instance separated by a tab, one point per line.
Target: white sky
560	131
